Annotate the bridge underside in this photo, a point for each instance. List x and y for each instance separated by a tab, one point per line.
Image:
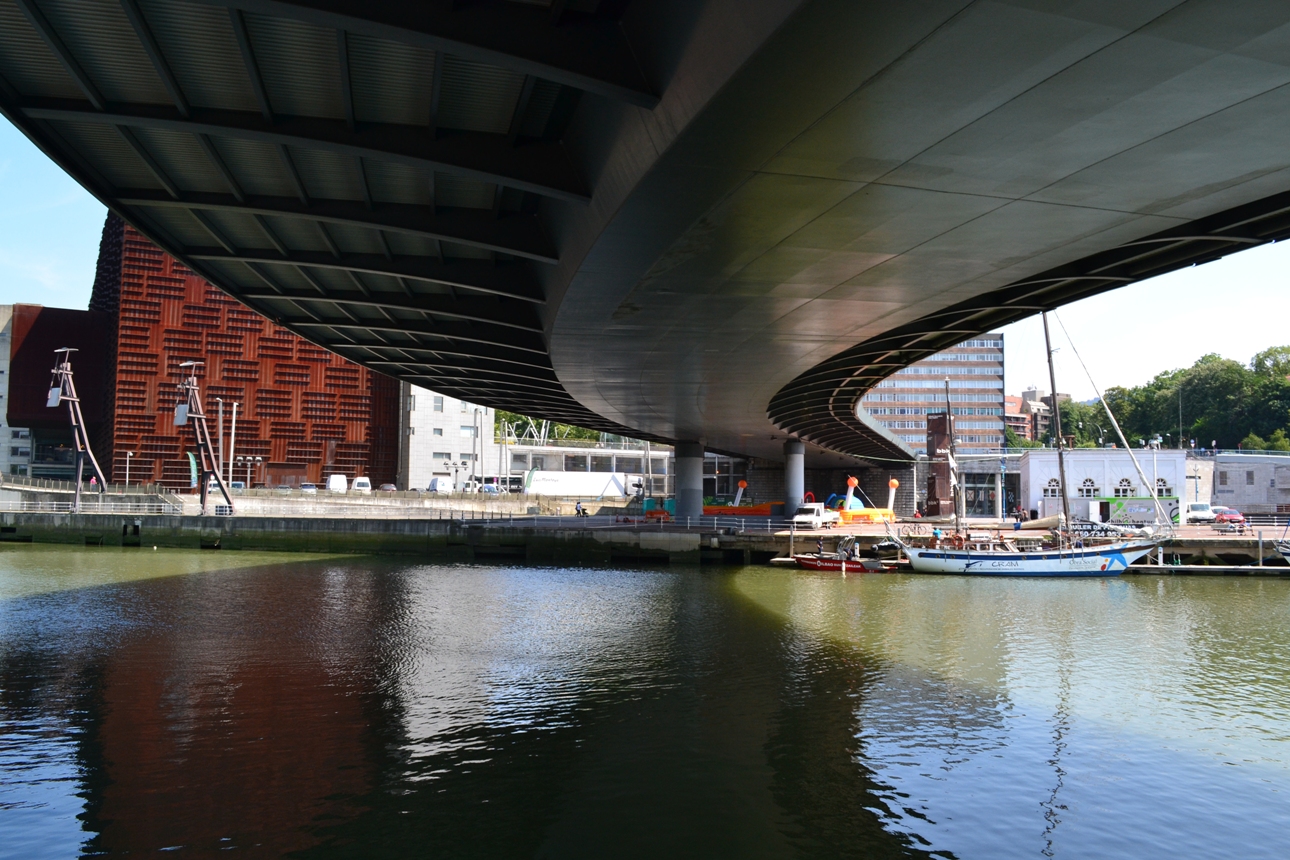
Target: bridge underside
697	221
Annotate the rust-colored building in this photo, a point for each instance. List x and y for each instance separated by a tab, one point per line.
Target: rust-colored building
306	412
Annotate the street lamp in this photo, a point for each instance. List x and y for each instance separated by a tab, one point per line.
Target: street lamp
128	456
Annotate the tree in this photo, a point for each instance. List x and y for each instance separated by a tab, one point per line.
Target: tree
1012	440
1274	362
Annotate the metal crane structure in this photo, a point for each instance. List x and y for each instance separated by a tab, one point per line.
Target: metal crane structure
62	389
189	409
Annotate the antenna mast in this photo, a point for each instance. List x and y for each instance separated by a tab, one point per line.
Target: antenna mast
63	389
191	407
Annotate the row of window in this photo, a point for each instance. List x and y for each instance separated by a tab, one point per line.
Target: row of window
1088	489
437	404
926	410
880	397
466	430
980	344
966	356
1249	478
950	371
940	383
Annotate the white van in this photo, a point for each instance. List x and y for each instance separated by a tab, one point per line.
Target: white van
439	485
338	484
362	485
1200	512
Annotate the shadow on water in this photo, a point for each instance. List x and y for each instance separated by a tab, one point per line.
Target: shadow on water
366	708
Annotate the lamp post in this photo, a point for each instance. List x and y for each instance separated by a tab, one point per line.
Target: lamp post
128	456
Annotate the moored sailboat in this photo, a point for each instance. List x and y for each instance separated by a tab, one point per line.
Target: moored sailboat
986	556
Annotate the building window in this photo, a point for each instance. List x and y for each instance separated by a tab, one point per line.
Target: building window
412	403
438	431
1163	488
1125	489
1088	489
441	455
19	452
1249	479
17	469
468	430
438	404
1222	479
468	458
1053	489
412	431
22	434
465	407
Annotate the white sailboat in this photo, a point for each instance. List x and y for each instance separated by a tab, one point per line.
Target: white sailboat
985	556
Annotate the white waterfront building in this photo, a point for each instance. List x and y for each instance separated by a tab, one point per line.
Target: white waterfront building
443	437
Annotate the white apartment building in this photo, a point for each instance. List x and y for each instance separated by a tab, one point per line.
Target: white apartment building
443	437
15	442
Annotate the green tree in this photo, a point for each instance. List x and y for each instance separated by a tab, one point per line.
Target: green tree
1012	440
1274	362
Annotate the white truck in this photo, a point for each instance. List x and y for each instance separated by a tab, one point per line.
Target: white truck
813	515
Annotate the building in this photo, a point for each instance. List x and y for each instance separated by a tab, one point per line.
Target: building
1016	419
36	332
303	413
15	442
1102	483
974	369
444	437
1255	482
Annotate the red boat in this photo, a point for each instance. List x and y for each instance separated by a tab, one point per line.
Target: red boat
841	560
837	562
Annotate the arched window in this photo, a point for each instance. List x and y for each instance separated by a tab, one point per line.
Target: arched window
1053	489
1125	489
1163	489
1088	489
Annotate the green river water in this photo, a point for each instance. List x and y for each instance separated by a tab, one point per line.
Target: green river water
323	706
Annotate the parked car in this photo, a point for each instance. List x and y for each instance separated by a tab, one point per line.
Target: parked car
439	485
237	486
814	515
1228	515
338	484
1200	512
362	485
284	488
388	488
490	489
309	489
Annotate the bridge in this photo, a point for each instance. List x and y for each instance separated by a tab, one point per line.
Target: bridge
709	222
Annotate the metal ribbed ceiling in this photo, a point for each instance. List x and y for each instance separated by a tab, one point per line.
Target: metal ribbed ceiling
697	220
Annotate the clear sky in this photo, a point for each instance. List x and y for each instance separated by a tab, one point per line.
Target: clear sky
1237	306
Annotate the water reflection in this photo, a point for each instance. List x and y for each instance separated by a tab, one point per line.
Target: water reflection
1140	717
372	708
375	708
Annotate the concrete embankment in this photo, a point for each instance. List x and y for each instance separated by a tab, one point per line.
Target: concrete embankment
444	539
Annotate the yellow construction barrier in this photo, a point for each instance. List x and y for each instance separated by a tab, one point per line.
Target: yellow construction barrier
868	515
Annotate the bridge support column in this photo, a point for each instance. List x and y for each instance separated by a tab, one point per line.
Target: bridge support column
689	481
794	475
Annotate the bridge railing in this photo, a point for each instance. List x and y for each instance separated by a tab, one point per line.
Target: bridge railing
92	505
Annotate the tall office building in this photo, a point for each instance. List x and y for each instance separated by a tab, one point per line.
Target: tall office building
974	369
304	412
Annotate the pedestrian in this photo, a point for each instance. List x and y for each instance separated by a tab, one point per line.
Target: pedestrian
936	536
577	509
819	546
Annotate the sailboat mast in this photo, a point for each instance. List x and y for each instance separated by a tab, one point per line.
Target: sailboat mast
1057	425
955	491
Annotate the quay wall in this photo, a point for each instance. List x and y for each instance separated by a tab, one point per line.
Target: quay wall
440	539
455	539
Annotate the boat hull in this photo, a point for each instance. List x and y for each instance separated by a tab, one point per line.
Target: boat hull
1110	560
811	562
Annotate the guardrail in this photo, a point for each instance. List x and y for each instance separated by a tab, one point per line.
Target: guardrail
92	506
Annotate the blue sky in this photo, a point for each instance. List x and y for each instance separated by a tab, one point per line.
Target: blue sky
49	237
49	228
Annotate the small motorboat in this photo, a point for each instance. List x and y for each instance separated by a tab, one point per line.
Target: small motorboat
843	560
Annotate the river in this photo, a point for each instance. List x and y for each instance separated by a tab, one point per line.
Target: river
327	706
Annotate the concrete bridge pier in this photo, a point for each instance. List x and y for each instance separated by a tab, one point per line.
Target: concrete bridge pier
794	475
689	481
